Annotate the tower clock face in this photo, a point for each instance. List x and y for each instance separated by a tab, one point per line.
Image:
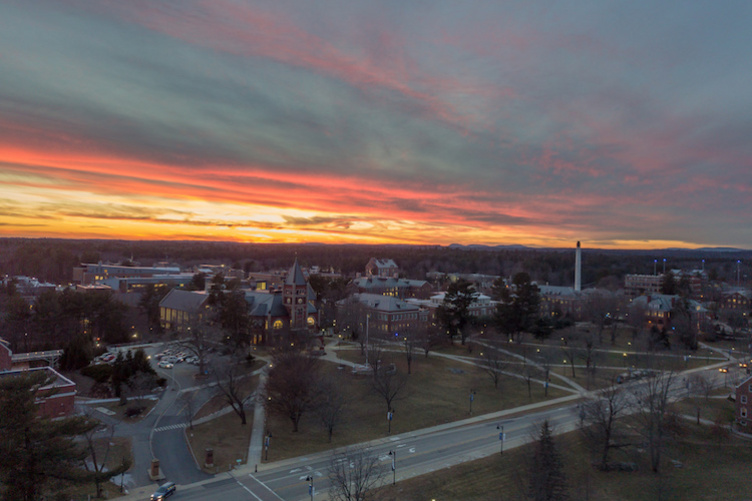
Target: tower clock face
300	300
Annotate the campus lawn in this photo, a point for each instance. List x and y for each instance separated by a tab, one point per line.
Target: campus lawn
437	392
226	436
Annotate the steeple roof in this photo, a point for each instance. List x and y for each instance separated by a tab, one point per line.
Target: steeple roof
295	276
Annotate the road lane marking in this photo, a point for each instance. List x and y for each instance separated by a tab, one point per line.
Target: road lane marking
264	485
170	427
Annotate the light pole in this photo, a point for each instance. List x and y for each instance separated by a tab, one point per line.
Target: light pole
394	466
267	439
472	397
311	490
368	316
502	437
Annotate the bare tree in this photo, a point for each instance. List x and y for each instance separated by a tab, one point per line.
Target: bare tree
230	384
546	361
291	386
569	339
599	421
410	344
388	384
331	404
636	320
98	461
353	473
374	353
494	364
700	386
188	399
198	339
428	337
652	397
528	372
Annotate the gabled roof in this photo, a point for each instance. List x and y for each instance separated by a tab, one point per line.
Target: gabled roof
182	300
262	304
384	263
295	276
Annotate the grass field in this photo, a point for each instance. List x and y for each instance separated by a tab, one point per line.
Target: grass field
708	467
226	435
438	391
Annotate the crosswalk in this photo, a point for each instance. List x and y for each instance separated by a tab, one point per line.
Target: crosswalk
170	427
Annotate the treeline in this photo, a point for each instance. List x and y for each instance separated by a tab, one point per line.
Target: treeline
53	260
61	319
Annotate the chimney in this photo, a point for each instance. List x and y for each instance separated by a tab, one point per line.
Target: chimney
578	269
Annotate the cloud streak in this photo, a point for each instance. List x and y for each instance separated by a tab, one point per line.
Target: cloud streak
376	122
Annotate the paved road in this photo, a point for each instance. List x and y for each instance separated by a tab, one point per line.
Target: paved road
417	453
161	434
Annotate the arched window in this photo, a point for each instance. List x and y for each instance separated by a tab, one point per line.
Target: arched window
278	324
311	321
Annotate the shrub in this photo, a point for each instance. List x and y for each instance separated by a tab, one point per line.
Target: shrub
134	411
100	373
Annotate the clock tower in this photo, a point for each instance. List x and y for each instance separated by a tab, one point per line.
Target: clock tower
295	295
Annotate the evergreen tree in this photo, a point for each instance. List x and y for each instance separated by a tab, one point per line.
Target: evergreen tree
547	479
454	312
35	450
518	305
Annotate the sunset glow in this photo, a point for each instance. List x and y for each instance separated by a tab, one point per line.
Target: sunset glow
375	122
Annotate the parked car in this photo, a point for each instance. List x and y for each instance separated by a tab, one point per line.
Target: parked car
165	490
165	365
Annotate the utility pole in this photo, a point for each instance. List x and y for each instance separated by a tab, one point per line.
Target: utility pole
311	490
502	437
393	453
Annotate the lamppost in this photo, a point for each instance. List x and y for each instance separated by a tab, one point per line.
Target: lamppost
368	316
393	453
311	490
502	437
267	439
472	397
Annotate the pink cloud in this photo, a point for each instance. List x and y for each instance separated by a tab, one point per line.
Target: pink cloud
242	30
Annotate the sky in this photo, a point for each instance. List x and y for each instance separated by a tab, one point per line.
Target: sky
623	124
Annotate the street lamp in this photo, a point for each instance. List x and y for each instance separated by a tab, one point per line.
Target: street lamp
267	439
368	316
309	479
472	397
393	453
502	437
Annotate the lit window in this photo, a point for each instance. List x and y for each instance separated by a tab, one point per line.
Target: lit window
743	412
278	324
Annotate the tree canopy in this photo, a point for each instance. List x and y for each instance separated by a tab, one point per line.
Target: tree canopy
35	450
454	312
518	305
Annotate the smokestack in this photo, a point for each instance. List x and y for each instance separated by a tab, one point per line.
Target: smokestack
578	269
